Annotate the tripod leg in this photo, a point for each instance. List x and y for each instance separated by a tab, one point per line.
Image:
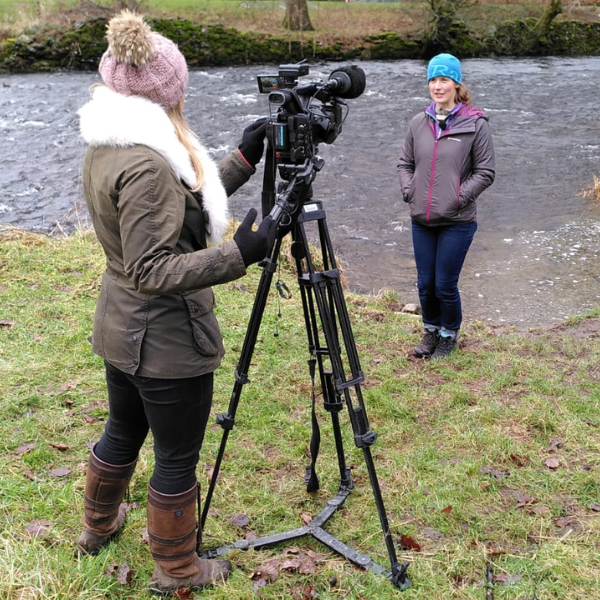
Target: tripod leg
227	420
332	401
325	287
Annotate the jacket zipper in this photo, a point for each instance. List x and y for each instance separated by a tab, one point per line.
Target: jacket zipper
435	149
430	194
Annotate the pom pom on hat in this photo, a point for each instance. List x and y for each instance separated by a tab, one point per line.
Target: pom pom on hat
444	65
140	62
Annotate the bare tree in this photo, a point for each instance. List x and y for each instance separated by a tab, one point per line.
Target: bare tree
445	28
296	16
444	13
551	11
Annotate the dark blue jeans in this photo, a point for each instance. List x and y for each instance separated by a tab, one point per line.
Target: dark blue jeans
440	254
175	410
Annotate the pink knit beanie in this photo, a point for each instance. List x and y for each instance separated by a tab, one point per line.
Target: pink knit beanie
140	62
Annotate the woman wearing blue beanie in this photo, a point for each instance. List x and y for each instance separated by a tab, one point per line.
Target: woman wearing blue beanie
446	161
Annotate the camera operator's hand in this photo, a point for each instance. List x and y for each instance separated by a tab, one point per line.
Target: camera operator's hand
252	145
254	245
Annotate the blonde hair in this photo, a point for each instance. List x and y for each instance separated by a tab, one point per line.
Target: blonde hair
463	95
187	137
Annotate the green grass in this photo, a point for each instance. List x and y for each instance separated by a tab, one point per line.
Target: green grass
461	453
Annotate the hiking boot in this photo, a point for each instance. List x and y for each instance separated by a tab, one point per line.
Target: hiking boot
426	347
445	347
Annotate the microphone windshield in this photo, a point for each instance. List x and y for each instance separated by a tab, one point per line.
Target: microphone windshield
350	82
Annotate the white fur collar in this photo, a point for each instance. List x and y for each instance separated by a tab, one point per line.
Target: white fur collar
112	119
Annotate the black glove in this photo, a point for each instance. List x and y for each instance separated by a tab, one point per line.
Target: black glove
252	145
254	245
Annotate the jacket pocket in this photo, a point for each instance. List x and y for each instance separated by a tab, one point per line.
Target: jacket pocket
204	324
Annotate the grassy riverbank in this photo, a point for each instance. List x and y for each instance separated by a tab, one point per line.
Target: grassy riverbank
333	21
488	459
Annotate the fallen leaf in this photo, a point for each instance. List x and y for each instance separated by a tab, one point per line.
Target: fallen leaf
241	520
541	510
290	565
40	529
495	472
520	461
124	574
71	385
25	448
61	446
29	474
554	444
268	571
306	592
570	522
508	579
446	510
523	499
60	472
409	543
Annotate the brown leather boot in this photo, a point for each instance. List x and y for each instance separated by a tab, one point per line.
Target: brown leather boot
172	540
103	515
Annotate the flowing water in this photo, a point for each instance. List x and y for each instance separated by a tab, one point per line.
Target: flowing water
534	260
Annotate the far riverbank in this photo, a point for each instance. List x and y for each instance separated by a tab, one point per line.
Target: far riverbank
50	48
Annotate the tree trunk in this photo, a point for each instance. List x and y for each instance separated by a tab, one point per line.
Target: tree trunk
542	26
296	16
550	13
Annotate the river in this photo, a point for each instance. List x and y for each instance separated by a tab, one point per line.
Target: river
534	260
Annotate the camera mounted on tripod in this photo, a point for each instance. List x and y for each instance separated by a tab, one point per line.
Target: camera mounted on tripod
302	116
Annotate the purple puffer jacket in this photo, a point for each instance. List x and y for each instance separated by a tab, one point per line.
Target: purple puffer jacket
441	177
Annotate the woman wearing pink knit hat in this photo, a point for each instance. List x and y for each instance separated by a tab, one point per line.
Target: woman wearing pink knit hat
158	204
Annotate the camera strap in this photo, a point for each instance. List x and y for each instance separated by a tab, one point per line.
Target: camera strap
310	479
268	190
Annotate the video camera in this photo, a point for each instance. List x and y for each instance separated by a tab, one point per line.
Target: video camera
303	116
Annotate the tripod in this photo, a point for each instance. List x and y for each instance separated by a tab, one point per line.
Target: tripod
335	358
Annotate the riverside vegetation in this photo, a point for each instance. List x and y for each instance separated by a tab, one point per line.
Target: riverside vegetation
69	35
489	461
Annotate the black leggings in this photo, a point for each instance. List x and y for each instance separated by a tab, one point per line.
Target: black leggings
176	411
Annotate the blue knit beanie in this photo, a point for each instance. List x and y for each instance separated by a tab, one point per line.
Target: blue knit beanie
444	65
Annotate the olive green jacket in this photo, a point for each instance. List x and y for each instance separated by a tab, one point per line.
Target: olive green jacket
154	316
